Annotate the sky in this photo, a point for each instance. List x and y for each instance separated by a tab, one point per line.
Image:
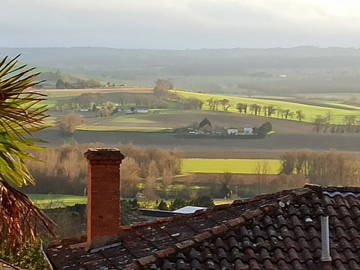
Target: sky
179	24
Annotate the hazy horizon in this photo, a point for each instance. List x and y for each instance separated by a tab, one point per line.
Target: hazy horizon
160	24
180	49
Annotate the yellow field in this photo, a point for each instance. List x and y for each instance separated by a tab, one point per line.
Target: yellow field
74	92
239	166
310	111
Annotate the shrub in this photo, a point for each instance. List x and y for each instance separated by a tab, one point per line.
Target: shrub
163	205
203	201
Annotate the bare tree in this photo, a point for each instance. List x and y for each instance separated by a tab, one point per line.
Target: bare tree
150	184
68	123
262	170
162	87
319	123
129	177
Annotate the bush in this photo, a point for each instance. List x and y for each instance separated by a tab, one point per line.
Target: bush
177	203
29	257
68	123
203	201
163	205
264	129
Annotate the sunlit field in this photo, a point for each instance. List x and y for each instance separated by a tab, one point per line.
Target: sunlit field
310	111
239	166
47	201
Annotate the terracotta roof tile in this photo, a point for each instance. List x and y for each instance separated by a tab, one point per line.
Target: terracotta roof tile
274	231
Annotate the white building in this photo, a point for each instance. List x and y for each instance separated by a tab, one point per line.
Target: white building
232	131
142	110
248	131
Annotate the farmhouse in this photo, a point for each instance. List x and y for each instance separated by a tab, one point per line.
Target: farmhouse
308	228
232	131
247	131
205	123
142	110
240	131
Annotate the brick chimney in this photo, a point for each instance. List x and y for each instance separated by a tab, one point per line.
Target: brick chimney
103	193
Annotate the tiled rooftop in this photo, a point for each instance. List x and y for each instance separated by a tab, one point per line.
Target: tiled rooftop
274	231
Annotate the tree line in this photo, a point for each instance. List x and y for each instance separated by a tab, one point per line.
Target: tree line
323	168
349	124
107	103
76	83
270	111
64	169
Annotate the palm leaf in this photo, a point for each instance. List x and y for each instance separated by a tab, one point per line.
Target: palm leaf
20	116
20	220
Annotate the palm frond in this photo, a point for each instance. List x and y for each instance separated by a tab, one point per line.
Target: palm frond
20	220
20	116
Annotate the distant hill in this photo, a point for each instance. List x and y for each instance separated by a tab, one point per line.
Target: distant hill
277	70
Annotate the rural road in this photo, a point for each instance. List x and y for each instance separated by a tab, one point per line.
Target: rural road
277	142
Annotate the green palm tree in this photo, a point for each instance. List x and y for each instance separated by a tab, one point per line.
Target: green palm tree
21	114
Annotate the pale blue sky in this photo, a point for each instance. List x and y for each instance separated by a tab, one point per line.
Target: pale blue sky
179	24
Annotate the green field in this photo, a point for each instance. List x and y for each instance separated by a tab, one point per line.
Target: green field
310	111
56	200
239	166
120	128
47	201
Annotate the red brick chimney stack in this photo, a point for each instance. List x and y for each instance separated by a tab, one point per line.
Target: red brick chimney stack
103	193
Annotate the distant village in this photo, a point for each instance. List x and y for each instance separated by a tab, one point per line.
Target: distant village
205	128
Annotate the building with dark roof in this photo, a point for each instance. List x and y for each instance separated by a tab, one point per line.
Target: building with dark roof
205	123
308	228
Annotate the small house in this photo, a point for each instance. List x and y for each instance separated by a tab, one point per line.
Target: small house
248	131
232	131
205	126
142	110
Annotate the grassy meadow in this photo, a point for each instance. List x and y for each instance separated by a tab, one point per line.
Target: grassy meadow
48	201
163	120
56	200
122	128
237	166
310	111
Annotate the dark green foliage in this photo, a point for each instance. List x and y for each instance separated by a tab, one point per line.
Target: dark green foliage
203	201
163	205
264	129
30	256
76	83
178	203
133	204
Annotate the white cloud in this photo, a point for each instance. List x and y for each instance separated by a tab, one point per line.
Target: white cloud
180	23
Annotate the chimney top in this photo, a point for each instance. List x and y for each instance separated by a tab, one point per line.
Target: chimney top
104	154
